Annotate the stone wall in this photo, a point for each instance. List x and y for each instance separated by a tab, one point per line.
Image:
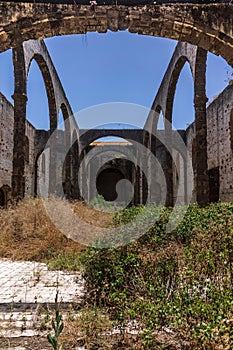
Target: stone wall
6	141
200	25
219	141
219	144
6	147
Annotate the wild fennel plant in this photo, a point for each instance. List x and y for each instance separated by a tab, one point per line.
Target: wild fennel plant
58	326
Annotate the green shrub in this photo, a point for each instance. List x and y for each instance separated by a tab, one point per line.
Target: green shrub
182	279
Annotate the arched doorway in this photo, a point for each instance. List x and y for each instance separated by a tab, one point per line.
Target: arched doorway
2	198
106	183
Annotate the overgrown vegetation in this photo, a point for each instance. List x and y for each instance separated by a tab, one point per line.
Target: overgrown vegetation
28	234
182	280
174	289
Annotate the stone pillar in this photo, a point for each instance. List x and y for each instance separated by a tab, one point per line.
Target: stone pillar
201	181
20	101
168	164
18	175
68	164
76	166
53	166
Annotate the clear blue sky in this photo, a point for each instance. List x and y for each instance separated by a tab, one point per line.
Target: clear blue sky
113	67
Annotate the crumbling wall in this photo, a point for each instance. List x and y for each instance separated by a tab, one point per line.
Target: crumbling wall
6	147
219	141
219	144
6	140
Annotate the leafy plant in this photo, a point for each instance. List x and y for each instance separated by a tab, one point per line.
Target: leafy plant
58	326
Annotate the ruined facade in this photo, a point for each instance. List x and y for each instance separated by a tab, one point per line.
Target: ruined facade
29	163
219	140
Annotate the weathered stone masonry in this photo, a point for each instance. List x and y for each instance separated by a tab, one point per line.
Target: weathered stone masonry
208	26
219	143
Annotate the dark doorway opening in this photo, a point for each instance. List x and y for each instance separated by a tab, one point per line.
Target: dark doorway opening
2	198
214	184
106	183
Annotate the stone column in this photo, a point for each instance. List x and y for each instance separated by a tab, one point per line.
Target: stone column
68	164
201	181
20	101
168	163
53	165
18	175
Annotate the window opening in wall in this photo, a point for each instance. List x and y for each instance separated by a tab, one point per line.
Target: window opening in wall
2	198
214	184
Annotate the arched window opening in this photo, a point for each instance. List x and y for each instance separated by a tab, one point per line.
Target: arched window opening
160	125
37	105
160	133
7	75
183	113
60	121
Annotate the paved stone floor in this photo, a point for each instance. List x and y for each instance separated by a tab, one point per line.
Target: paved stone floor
27	296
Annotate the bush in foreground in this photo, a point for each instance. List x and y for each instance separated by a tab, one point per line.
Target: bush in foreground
182	280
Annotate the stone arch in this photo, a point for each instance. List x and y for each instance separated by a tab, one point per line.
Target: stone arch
39	59
196	24
36	50
171	163
89	136
183	53
178	67
92	153
164	101
197	60
22	58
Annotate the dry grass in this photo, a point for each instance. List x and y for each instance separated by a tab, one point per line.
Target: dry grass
26	232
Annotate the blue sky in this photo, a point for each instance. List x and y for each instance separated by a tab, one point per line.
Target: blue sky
114	67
